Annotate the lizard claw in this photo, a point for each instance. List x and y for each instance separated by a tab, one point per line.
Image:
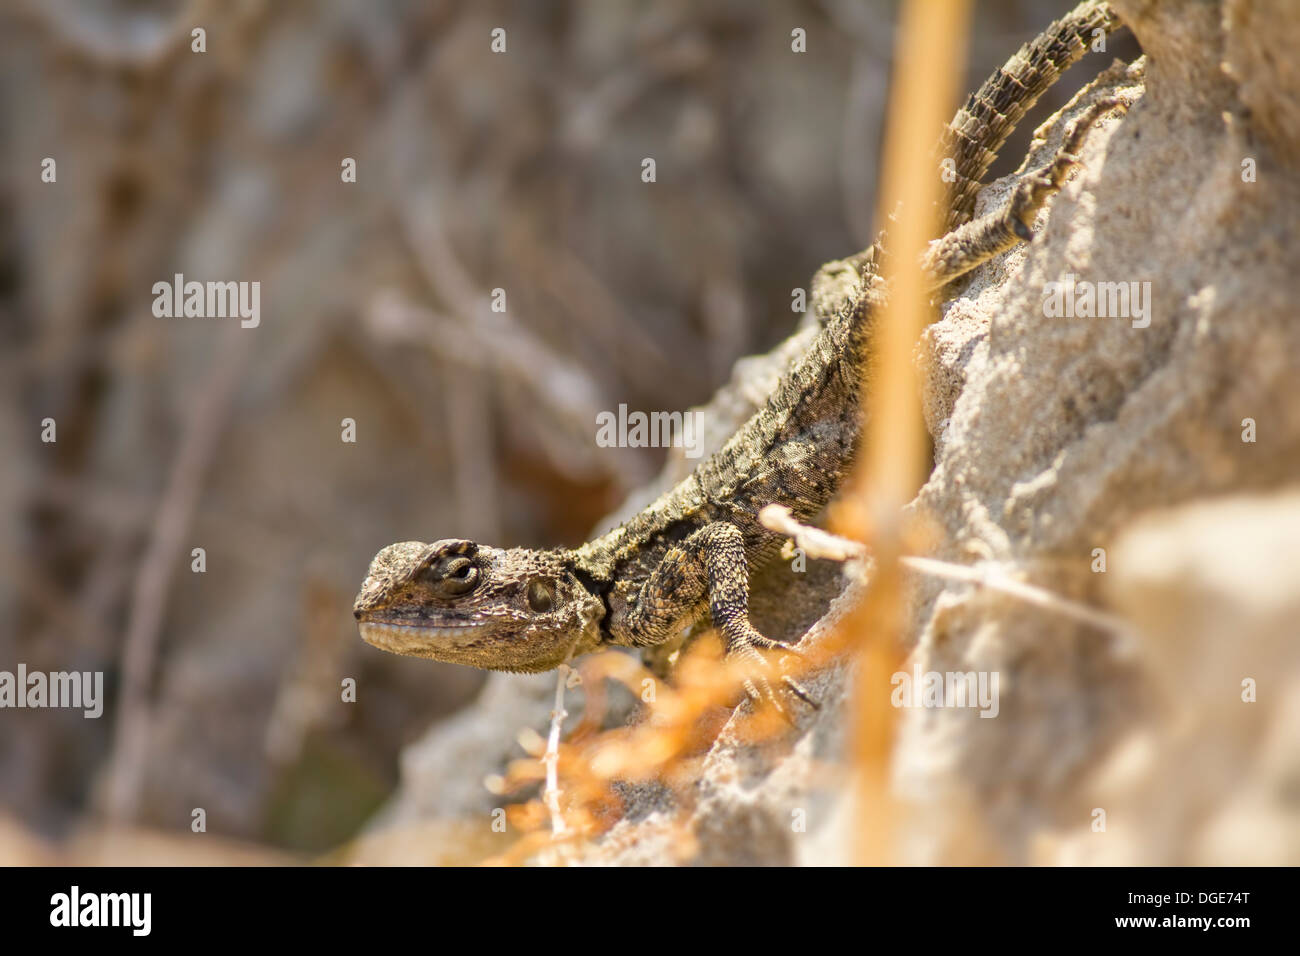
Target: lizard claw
790	683
763	692
799	691
757	685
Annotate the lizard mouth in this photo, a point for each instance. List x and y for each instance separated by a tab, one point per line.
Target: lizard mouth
418	639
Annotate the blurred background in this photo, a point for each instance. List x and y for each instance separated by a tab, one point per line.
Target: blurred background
475	171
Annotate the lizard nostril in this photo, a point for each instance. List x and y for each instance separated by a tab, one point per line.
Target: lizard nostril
356	612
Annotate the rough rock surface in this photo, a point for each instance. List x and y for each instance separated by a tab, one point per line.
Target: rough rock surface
1054	437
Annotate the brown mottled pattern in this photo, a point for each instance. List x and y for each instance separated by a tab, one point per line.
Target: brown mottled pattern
692	550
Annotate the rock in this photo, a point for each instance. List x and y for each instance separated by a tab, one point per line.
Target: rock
1209	778
1054	435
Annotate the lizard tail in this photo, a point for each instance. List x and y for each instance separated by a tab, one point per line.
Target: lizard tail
982	126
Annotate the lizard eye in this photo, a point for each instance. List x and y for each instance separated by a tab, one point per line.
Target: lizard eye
457	575
540	596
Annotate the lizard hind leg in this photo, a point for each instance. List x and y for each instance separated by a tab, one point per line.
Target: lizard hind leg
979	241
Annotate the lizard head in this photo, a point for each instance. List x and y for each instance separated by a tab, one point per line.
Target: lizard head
466	603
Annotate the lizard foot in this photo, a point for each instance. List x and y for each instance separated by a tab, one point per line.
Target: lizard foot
793	686
757	684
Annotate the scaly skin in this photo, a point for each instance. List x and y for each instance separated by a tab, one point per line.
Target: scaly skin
692	550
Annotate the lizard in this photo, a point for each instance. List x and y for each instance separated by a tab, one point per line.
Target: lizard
690	553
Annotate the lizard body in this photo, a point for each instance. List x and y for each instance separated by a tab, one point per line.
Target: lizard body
690	552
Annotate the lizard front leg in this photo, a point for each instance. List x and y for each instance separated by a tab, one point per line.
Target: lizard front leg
711	566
